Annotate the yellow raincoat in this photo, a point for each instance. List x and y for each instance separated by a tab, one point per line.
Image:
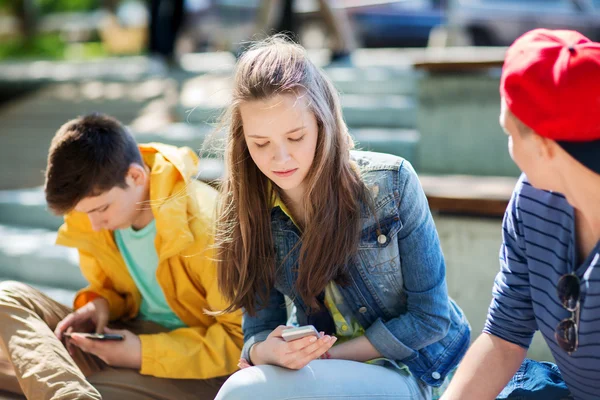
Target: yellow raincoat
184	210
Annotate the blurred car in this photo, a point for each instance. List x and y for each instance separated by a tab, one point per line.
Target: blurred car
500	22
376	23
405	23
485	22
408	23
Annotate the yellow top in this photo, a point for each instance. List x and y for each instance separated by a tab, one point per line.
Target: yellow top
184	210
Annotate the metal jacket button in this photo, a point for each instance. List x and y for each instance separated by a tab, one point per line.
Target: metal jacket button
381	239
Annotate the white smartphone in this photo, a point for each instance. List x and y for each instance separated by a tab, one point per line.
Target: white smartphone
298	333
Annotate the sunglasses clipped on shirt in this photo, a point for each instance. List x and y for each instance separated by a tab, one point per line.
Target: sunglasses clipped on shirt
567	330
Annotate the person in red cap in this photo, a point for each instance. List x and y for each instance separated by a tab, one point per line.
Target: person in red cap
550	256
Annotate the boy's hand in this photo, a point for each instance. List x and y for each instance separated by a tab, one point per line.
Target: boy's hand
91	317
125	353
293	355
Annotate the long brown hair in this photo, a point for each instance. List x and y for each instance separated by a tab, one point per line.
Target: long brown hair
245	248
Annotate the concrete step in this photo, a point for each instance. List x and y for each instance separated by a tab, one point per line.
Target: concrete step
70	98
386	111
374	80
389	58
119	69
374	111
400	142
30	255
177	134
27	208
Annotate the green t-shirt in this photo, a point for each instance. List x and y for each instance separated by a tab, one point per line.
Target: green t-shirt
139	253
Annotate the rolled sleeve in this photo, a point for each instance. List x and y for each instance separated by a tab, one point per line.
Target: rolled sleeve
254	339
256	328
386	342
510	315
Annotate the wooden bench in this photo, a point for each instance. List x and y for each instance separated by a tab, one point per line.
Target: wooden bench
485	196
459	59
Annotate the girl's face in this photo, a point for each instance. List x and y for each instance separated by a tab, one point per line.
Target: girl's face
281	134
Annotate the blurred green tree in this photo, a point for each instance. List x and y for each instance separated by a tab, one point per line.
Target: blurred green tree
51	6
28	13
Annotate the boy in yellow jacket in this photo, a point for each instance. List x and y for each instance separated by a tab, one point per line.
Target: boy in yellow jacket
144	231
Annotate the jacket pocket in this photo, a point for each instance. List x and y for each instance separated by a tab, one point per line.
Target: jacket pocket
378	248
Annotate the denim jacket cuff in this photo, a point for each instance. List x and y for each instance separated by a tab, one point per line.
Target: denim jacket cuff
387	344
259	337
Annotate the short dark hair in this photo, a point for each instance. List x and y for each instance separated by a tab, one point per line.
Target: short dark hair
88	156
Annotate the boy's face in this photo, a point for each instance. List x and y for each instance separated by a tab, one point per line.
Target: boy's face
281	134
528	151
117	208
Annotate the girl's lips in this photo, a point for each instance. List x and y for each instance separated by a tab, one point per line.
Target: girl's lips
285	174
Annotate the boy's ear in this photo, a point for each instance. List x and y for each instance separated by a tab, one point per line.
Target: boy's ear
137	174
546	147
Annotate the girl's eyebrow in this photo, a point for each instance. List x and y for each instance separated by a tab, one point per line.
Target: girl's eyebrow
287	133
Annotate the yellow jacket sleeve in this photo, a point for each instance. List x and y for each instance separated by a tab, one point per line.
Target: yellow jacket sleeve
100	285
194	353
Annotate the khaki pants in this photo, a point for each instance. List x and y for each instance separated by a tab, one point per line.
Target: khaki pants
35	363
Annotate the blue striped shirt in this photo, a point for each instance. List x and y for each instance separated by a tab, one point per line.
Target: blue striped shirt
538	248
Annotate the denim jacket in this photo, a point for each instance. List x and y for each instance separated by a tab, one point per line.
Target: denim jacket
397	286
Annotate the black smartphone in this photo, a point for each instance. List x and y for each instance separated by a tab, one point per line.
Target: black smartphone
98	336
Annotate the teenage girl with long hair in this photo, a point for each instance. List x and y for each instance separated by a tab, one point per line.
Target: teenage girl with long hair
346	235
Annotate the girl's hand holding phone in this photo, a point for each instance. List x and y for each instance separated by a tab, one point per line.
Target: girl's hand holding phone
295	354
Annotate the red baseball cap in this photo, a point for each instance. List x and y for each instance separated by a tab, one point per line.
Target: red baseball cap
551	82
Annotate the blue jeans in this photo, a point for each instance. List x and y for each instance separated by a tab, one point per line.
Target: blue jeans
324	379
536	380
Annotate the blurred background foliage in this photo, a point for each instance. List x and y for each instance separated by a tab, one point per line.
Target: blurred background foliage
27	40
50	6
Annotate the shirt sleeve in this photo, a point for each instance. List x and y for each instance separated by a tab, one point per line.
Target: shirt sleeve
256	328
510	315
